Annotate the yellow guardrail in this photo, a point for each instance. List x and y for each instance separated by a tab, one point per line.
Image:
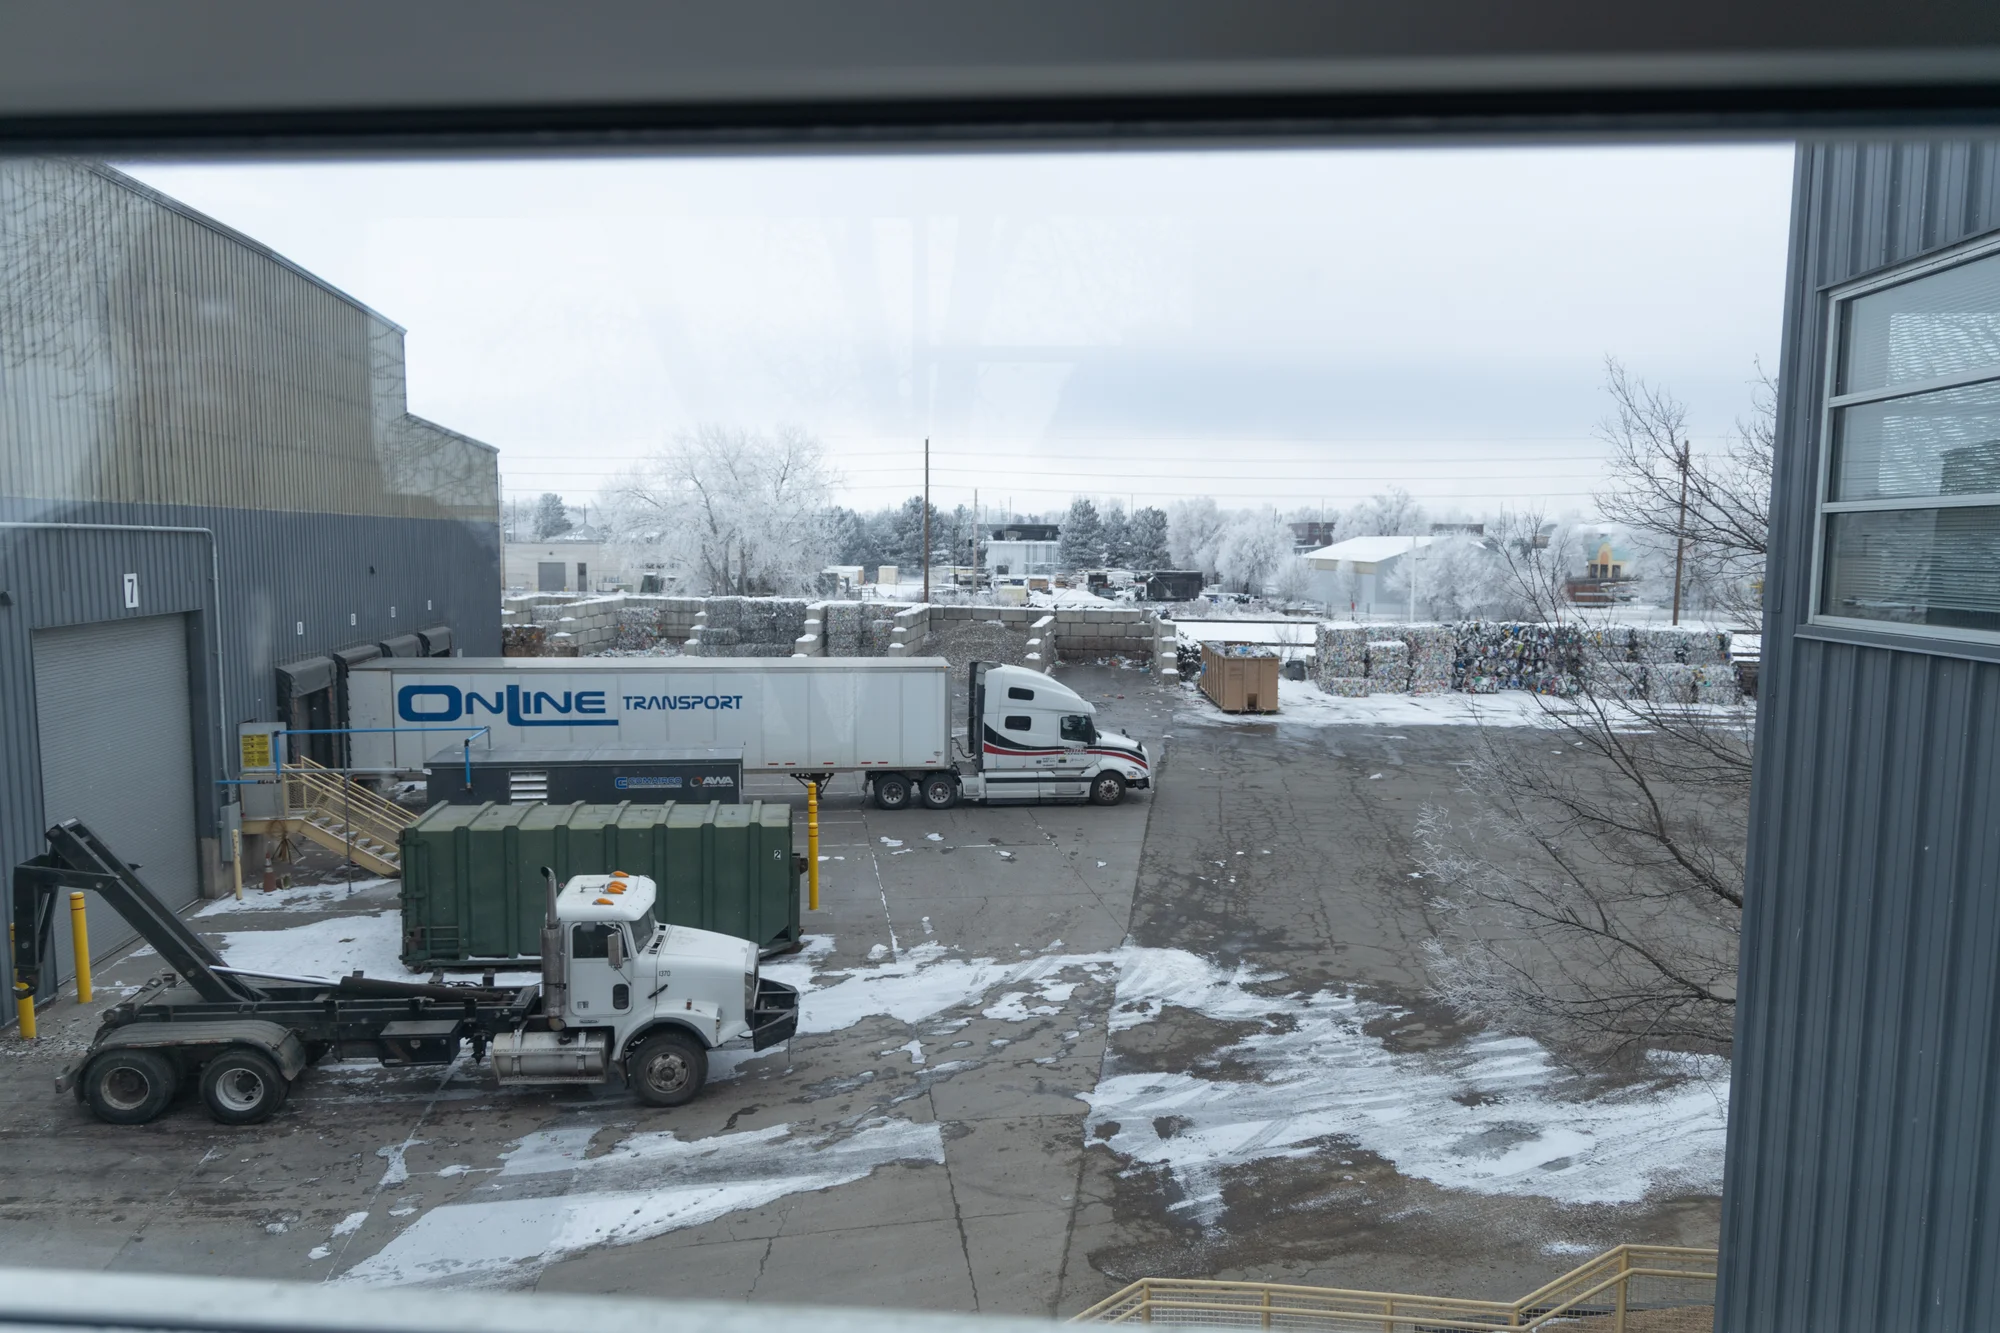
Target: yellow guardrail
1630	1289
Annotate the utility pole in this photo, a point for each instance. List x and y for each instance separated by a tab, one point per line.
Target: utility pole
927	519
1680	530
975	539
1413	579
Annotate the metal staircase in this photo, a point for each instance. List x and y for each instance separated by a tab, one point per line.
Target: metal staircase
341	815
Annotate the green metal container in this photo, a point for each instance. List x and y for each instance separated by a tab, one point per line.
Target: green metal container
472	882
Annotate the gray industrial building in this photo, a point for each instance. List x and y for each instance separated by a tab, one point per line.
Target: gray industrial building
1863	1185
211	498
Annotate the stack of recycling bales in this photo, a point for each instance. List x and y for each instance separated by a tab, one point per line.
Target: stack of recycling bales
1340	660
1433	650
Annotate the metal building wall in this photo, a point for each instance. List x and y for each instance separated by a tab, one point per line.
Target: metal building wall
158	369
1863	1183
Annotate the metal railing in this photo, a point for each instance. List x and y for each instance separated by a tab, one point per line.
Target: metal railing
1630	1289
367	826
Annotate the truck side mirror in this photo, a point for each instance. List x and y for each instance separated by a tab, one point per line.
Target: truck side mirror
614	949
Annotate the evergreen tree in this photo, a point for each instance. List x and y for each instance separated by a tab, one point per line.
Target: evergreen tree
1146	539
1117	537
551	518
1082	539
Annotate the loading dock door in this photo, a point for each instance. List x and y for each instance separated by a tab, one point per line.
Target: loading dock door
117	746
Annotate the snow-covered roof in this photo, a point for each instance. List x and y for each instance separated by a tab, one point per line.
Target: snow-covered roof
1368	550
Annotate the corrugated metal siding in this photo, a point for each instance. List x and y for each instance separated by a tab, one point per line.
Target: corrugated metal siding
1864	1154
159	369
152	356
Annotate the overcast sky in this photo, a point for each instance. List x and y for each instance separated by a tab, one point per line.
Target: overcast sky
1297	327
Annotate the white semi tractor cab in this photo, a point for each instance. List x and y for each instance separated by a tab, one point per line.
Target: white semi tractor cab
635	996
1028	738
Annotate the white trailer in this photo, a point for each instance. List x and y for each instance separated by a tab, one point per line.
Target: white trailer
1028	738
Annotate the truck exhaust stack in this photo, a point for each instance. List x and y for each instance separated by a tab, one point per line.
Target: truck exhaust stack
555	988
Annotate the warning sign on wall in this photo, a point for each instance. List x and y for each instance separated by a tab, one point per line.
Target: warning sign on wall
256	746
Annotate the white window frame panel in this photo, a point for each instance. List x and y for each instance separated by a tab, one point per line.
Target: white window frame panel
1839	298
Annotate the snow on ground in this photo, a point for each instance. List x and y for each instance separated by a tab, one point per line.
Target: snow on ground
1492	1116
1302	703
1486	1117
646	1185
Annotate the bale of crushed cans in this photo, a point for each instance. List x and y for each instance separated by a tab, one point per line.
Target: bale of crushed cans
1340	652
1388	666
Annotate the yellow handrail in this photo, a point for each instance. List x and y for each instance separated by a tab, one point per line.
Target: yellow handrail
313	790
1272	1304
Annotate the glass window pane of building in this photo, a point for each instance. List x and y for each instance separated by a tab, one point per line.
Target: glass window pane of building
1910	527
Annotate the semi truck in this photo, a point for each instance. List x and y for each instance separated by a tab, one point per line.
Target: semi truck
621	996
1027	737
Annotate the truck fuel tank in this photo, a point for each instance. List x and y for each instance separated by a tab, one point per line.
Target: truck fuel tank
551	1057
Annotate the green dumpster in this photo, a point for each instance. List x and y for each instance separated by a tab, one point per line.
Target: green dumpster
472	882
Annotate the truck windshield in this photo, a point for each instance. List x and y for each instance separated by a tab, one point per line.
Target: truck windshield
1078	727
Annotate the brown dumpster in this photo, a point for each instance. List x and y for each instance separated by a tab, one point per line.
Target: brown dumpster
1240	677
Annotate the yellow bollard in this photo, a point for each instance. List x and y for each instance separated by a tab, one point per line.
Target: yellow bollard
812	843
24	999
79	938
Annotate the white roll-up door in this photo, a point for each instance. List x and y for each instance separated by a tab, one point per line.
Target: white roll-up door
117	745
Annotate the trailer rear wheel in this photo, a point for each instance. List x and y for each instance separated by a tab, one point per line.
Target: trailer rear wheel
130	1087
892	791
1107	789
940	791
668	1069
242	1086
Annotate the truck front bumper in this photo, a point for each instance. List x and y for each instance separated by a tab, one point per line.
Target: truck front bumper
776	1016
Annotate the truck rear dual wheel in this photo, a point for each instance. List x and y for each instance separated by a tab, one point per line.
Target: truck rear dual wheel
668	1069
130	1087
892	792
242	1086
940	791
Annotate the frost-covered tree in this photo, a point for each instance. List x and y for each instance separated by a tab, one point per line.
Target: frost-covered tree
1146	537
551	517
732	511
1391	513
1253	549
1194	531
1457	578
1082	540
1117	538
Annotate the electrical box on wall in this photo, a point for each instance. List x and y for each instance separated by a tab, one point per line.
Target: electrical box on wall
259	748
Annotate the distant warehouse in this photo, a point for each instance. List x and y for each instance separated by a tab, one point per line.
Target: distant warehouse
211	496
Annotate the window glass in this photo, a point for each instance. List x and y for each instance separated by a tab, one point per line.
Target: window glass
1016	692
1945	324
589	939
1019	722
1914	566
1076	727
1945	443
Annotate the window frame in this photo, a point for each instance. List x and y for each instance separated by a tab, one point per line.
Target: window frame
1840	298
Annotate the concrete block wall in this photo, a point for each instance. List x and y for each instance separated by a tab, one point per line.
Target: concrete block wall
1106	632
